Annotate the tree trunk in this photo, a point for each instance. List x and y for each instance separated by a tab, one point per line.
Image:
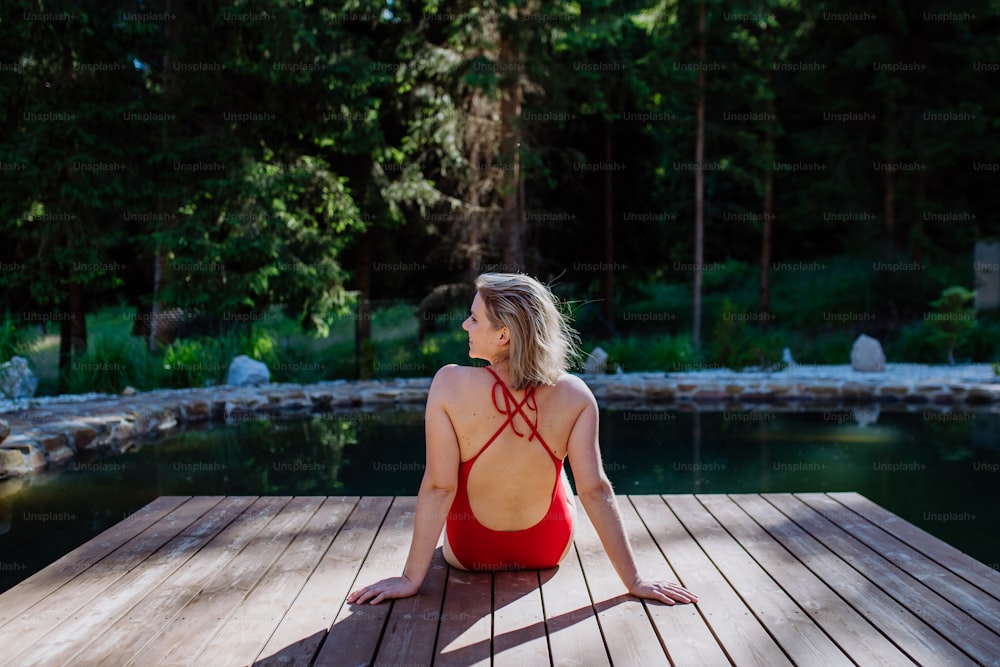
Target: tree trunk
65	352
918	230
889	181
155	310
78	319
764	296
363	353
160	267
510	114
609	229
699	185
889	210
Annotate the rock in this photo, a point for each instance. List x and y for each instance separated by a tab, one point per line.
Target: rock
867	355
16	379
4	430
244	371
11	463
986	258
787	358
20	458
866	415
597	362
128	391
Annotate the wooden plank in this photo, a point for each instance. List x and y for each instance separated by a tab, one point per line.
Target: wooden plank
49	579
743	638
575	637
938	595
261	588
800	638
465	633
828	552
211	608
353	639
632	639
862	642
942	580
298	637
243	636
54	610
979	574
413	622
155	611
518	620
114	602
688	640
896	622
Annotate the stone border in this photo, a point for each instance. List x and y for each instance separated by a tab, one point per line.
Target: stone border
53	431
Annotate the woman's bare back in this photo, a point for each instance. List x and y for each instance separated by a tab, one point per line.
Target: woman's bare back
510	484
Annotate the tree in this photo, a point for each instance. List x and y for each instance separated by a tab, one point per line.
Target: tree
954	319
75	83
699	186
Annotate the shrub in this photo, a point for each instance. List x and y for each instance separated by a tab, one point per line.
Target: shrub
192	363
832	347
953	319
738	344
913	345
15	341
111	364
445	348
671	353
630	353
983	343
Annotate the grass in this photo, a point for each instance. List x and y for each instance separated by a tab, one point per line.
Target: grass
115	359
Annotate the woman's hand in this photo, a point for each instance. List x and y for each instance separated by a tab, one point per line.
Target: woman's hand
664	591
395	587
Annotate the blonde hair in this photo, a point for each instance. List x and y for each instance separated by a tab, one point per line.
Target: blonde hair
542	344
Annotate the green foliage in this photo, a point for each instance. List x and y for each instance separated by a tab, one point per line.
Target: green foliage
832	347
111	363
737	342
260	345
914	345
674	353
983	342
308	134
953	319
15	341
444	348
193	363
653	353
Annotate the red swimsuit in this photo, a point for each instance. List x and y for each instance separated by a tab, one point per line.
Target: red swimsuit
538	547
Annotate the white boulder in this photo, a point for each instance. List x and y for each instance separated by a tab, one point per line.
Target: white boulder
867	355
244	371
17	380
597	362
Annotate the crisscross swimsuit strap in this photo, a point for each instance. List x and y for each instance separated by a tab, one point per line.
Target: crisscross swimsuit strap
511	407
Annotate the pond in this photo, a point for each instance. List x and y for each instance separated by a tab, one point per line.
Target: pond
940	471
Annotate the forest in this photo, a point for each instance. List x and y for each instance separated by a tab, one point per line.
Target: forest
709	182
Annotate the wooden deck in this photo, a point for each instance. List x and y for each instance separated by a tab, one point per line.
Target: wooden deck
807	579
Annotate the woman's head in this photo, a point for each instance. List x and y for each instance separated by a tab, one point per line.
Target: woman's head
539	344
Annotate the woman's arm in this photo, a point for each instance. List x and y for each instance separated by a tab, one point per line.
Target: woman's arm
598	498
437	490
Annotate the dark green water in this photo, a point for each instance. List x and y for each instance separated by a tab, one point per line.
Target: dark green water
941	473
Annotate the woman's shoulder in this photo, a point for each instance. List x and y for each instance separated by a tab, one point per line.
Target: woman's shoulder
454	377
454	372
573	389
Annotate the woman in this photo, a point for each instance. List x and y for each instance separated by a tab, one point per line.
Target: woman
496	441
